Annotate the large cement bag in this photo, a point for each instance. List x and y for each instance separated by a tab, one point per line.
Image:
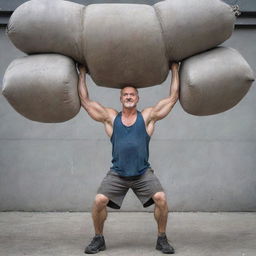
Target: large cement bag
122	44
193	26
43	87
48	26
214	81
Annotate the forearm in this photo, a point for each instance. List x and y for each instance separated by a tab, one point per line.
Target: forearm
82	89
174	88
94	109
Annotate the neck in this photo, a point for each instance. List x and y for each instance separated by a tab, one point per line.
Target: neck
129	111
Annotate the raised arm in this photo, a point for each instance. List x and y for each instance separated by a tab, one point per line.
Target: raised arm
95	110
164	106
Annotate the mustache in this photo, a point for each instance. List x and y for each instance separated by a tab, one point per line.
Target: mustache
125	102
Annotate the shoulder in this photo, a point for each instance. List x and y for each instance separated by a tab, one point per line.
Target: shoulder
112	113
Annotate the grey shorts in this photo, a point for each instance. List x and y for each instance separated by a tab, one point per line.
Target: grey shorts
144	186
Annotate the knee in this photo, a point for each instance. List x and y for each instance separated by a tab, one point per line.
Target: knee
100	201
160	199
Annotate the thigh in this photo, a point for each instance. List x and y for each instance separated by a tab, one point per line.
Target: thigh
146	186
115	188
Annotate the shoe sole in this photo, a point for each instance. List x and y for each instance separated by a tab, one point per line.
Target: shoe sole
93	252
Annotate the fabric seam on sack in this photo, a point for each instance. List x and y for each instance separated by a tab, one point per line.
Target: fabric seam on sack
158	17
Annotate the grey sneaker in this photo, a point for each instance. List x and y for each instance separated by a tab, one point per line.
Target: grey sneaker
164	246
97	244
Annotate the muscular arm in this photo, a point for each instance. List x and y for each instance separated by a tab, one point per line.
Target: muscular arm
164	106
95	110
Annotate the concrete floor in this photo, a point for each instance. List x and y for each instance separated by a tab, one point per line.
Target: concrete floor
126	233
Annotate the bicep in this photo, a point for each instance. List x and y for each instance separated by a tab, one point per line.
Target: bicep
96	111
162	108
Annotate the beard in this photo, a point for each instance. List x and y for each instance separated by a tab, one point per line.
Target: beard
129	104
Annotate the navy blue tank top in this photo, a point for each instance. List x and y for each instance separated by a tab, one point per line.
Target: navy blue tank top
130	147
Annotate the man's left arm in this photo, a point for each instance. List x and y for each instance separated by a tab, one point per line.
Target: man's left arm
164	106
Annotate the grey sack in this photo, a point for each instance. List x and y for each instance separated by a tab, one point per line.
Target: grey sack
48	26
193	26
122	44
43	87
214	81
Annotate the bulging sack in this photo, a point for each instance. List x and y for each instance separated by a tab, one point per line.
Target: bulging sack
214	81
193	26
48	26
122	44
43	87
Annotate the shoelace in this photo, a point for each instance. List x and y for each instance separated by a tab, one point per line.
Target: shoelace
166	240
94	240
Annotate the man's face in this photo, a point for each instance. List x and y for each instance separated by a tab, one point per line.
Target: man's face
129	97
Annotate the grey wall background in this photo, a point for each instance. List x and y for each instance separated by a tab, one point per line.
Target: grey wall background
204	163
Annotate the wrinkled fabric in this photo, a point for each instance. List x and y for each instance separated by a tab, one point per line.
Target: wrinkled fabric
122	44
214	81
43	87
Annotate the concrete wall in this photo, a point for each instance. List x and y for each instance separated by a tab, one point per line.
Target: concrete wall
204	163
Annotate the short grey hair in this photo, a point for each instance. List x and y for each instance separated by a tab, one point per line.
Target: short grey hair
131	87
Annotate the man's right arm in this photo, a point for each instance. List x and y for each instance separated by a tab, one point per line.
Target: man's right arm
95	110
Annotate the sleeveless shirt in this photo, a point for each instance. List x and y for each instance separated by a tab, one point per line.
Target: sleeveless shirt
130	147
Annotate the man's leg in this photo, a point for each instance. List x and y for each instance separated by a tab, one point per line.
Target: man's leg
99	215
161	216
161	211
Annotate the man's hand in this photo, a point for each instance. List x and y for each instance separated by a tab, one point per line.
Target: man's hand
81	69
175	66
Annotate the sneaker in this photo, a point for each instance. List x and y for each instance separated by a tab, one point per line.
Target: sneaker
163	245
97	244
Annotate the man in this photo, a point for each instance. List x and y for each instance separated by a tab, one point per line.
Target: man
130	132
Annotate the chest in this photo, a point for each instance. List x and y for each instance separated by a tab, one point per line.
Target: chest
129	129
128	121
